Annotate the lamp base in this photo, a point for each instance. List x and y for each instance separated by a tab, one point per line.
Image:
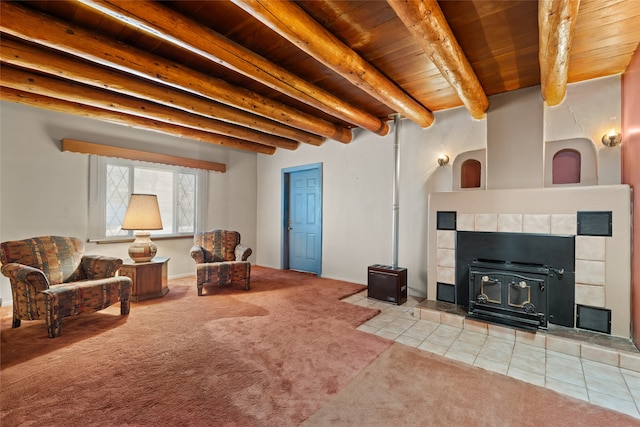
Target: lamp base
142	249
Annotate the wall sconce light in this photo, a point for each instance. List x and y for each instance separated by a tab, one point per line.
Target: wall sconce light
611	139
443	159
142	214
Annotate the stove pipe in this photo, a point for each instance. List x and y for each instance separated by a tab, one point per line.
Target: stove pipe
396	182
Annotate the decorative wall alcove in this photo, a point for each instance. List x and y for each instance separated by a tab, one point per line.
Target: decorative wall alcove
570	162
469	170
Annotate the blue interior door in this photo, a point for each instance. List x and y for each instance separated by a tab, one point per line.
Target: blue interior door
305	220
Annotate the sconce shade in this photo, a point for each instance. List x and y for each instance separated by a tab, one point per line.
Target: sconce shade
142	214
611	139
443	159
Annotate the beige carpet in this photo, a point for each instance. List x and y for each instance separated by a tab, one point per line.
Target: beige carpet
285	352
409	387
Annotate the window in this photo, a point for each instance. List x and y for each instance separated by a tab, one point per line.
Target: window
180	192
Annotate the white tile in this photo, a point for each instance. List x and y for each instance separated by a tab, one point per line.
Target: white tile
536	223
510	223
569	389
421	329
591	248
601	370
608	387
630	361
526	376
367	328
491	365
473	325
593	295
446	258
392	335
466	347
590	272
486	222
562	345
452	320
433	347
439	340
501	332
447	331
560	362
465	222
620	405
527	365
564	224
430	315
446	275
410	341
460	356
531	338
560	373
472	337
446	239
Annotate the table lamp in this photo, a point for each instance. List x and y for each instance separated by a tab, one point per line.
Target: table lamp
142	214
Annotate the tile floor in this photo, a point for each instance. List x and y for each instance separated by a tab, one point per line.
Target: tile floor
498	350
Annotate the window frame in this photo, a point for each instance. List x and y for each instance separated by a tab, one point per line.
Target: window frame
97	197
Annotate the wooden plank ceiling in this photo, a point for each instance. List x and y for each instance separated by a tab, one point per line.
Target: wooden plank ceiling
259	75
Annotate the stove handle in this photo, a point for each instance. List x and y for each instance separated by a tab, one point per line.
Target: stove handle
558	272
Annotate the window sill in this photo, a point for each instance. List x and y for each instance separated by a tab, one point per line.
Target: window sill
131	239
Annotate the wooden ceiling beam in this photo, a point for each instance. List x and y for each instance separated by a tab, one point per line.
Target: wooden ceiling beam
556	23
159	21
63	89
429	27
291	22
45	61
77	109
47	31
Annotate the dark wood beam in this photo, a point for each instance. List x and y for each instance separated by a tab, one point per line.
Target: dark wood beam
47	31
292	23
77	109
70	91
161	22
426	22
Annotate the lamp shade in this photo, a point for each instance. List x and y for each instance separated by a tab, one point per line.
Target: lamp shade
142	213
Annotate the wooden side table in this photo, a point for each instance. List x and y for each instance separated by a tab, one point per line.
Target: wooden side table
149	278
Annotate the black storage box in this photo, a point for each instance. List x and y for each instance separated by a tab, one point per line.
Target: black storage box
388	284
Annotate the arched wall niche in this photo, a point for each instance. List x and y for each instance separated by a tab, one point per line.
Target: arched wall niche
466	166
561	159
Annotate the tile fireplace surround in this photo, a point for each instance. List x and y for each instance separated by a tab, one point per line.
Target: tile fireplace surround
603	264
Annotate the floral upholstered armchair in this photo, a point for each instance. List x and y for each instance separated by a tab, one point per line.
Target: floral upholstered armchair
51	278
220	258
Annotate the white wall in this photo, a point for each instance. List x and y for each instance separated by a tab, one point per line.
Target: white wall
358	179
357	195
45	191
590	110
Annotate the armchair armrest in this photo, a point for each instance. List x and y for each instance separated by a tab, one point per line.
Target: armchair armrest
243	252
24	275
99	267
197	253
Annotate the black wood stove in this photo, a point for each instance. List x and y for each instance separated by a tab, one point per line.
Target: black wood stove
513	294
519	279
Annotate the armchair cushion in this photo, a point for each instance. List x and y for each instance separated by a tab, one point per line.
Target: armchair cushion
220	258
51	278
